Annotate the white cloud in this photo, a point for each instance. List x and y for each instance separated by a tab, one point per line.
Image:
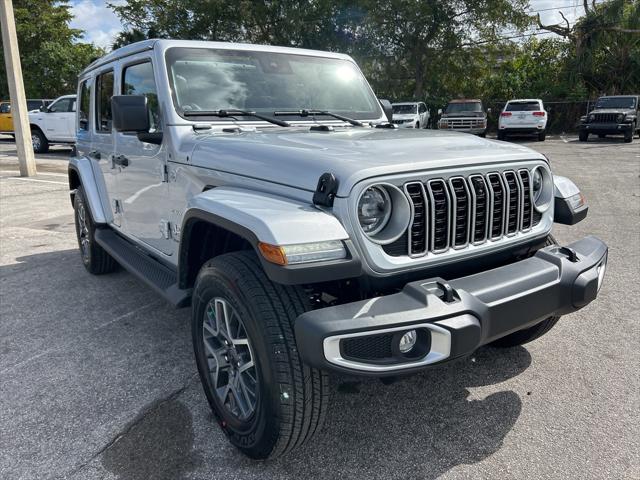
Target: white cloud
98	21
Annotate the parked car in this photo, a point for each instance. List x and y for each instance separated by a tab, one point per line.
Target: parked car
54	124
464	115
523	116
612	115
265	187
6	119
411	115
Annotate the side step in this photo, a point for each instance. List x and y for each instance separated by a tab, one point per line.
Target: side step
155	274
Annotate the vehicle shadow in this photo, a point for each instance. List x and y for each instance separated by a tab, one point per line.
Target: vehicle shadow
422	425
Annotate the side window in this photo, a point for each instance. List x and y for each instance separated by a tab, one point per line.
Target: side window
5	108
138	80
62	106
422	108
104	92
85	106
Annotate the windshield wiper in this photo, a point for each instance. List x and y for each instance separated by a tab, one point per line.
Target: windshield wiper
312	113
231	113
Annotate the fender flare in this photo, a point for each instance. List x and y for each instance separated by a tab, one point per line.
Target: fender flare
260	217
81	167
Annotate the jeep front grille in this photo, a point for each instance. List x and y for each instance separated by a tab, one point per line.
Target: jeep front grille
605	117
450	213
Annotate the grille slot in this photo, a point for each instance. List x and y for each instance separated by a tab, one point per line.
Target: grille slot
440	203
513	203
418	230
460	212
498	200
527	207
480	204
369	347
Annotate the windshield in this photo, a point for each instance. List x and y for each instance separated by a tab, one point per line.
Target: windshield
523	106
403	109
616	102
464	107
266	82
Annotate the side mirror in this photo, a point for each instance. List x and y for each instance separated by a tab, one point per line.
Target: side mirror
439	111
388	109
488	110
42	108
131	114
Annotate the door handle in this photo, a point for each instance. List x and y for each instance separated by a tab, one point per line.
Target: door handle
121	160
95	154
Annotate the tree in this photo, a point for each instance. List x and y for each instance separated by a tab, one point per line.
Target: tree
52	55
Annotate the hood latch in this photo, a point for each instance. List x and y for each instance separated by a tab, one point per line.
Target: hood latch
326	190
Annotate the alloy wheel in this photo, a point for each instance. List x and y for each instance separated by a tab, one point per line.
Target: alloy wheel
230	360
35	141
83	231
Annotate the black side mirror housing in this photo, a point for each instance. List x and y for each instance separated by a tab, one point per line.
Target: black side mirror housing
130	113
388	109
42	108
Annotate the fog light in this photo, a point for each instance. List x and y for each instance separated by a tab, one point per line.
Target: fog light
601	269
408	341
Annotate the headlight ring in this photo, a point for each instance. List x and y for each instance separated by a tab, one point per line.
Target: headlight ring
383	213
542	188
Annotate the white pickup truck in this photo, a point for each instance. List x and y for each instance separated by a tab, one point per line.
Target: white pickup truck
55	124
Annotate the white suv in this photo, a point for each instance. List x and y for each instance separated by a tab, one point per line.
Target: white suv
523	116
411	115
55	124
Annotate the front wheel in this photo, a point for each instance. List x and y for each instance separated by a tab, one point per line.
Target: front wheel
583	136
628	137
265	399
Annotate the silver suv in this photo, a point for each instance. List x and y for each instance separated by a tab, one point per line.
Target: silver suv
267	188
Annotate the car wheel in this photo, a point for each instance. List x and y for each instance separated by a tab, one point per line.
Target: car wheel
39	142
95	259
483	135
417	124
628	136
541	136
264	398
601	135
583	136
529	334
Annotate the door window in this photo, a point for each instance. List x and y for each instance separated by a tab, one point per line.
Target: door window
104	92
5	108
139	80
422	108
83	112
63	106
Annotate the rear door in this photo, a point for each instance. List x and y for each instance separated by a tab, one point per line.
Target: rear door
58	120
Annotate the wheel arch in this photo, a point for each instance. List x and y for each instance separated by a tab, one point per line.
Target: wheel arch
80	174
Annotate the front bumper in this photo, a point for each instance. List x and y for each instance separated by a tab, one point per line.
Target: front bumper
472	130
452	318
605	128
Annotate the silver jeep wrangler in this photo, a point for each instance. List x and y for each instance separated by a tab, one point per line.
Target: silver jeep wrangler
267	188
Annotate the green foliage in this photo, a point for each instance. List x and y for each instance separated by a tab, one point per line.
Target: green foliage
50	51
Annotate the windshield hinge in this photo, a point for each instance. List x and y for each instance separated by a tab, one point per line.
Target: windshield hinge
326	190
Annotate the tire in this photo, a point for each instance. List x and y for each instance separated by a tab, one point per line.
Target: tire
417	125
601	135
583	136
541	136
483	135
628	137
290	399
39	141
502	136
532	333
95	259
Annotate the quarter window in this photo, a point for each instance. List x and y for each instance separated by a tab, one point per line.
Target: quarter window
138	80
83	112
104	92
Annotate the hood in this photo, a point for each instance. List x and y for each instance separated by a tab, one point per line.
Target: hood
463	114
612	110
296	157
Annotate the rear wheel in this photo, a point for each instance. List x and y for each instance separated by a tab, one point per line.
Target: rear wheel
541	136
502	136
583	136
265	399
628	136
95	259
529	334
39	141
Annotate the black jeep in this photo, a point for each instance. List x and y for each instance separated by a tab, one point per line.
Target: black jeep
613	115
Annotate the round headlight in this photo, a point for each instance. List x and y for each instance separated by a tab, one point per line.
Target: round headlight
542	189
620	117
374	209
592	117
383	213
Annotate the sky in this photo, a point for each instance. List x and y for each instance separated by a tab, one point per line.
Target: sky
101	25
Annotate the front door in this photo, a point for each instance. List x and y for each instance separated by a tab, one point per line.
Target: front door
142	184
59	120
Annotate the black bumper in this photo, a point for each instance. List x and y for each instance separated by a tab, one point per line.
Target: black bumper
457	316
606	128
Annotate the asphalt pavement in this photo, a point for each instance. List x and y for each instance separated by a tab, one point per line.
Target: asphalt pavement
97	378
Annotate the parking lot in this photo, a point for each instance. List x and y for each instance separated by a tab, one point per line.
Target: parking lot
98	379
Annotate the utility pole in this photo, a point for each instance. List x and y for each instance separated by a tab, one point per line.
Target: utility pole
19	110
